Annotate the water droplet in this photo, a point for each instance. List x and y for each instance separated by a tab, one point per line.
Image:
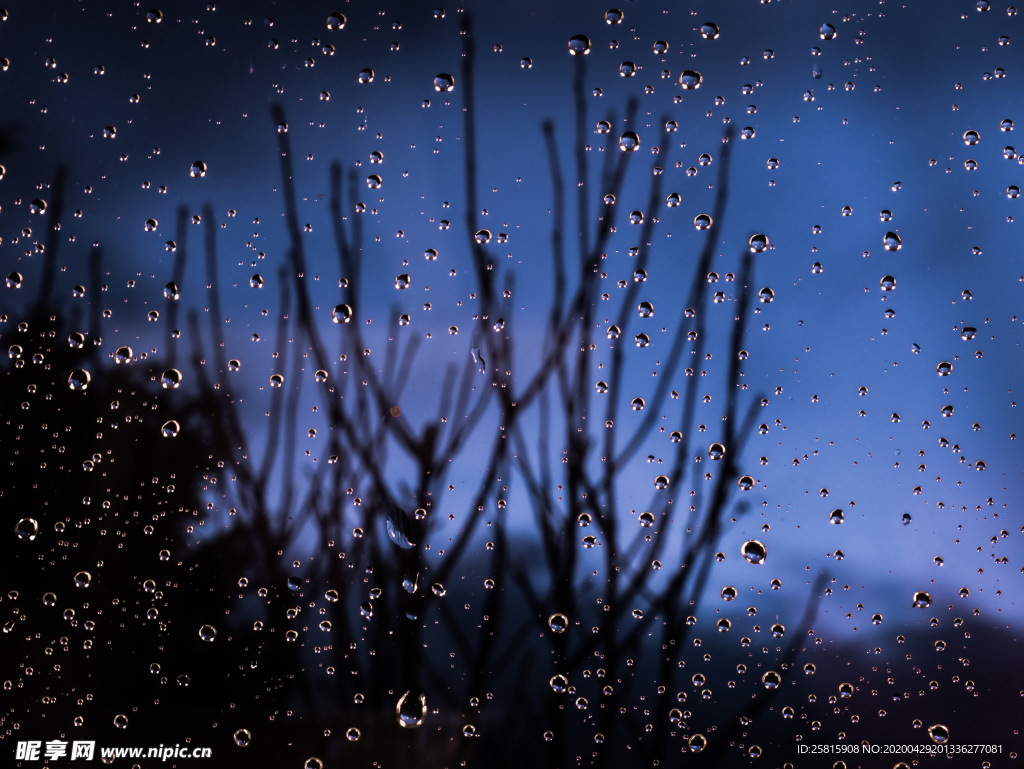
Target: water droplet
613	16
836	517
690	80
411	709
482	236
14	280
121	721
82	579
26	529
579	45
716	451
365	76
444	82
558	623
242	737
944	368
170	429
398	528
709	31
827	32
170	379
755	552
402	281
702	222
892	242
79	379
207	633
746	483
637	404
766	295
922	600
938	733
771	680
336	21
629	141
758	243
198	170
661	483
887	283
342	313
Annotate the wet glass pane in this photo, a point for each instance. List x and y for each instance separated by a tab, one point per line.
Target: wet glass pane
391	385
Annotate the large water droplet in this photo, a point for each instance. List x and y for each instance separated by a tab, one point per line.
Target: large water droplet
579	45
709	31
690	80
629	141
755	552
26	529
79	379
411	709
398	528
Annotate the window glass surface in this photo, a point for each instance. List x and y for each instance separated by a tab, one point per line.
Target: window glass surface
397	385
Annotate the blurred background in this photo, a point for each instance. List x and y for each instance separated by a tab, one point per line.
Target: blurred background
592	385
